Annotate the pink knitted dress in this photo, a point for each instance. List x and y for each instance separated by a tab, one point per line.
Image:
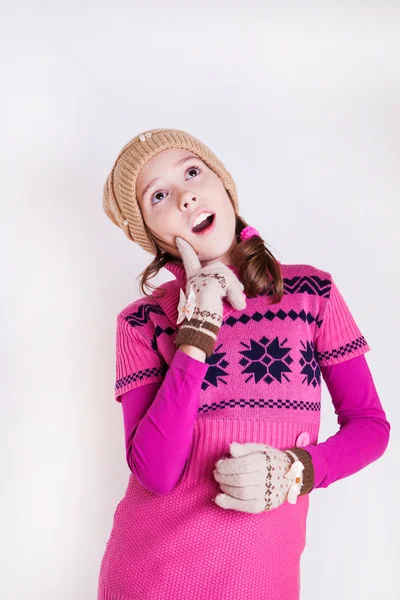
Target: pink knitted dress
261	384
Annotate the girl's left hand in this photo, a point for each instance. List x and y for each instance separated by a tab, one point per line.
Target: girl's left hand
258	478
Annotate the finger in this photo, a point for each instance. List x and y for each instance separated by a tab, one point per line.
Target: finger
227	502
189	256
235	293
240	479
243	464
242	492
236	298
237	449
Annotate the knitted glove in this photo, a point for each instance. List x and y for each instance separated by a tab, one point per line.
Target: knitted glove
201	310
260	477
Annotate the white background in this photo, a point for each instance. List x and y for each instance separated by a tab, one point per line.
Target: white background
301	103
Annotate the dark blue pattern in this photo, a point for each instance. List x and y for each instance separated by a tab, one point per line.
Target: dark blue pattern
270	315
141	375
270	403
140	317
307	284
310	364
342	350
266	360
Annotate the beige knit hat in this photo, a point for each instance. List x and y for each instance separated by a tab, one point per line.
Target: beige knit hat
119	193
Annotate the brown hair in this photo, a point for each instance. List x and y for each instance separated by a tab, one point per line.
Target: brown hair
259	271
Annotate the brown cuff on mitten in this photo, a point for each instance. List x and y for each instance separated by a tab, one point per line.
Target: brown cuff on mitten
308	471
201	334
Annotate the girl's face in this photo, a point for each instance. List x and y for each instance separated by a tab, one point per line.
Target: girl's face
172	189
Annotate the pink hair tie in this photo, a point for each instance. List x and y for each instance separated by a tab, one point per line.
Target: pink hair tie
248	232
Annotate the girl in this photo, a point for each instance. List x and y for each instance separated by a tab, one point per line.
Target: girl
219	377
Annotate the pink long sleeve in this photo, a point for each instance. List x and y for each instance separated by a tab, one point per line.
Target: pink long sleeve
166	423
364	430
159	419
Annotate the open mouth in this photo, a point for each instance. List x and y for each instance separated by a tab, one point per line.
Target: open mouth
204	225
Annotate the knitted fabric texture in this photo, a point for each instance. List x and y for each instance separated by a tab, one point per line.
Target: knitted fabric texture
119	193
262	385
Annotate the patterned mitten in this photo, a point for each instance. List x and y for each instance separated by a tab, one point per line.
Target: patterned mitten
201	310
259	477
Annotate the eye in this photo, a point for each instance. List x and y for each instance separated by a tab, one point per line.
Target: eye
192	168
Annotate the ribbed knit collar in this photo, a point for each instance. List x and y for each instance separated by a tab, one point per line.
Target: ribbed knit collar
178	270
170	302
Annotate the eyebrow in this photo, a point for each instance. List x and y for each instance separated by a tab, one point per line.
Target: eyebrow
177	164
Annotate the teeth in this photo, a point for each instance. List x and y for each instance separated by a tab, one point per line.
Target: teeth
201	218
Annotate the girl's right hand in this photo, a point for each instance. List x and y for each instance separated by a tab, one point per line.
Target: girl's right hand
201	310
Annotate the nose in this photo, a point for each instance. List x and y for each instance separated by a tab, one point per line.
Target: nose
186	199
